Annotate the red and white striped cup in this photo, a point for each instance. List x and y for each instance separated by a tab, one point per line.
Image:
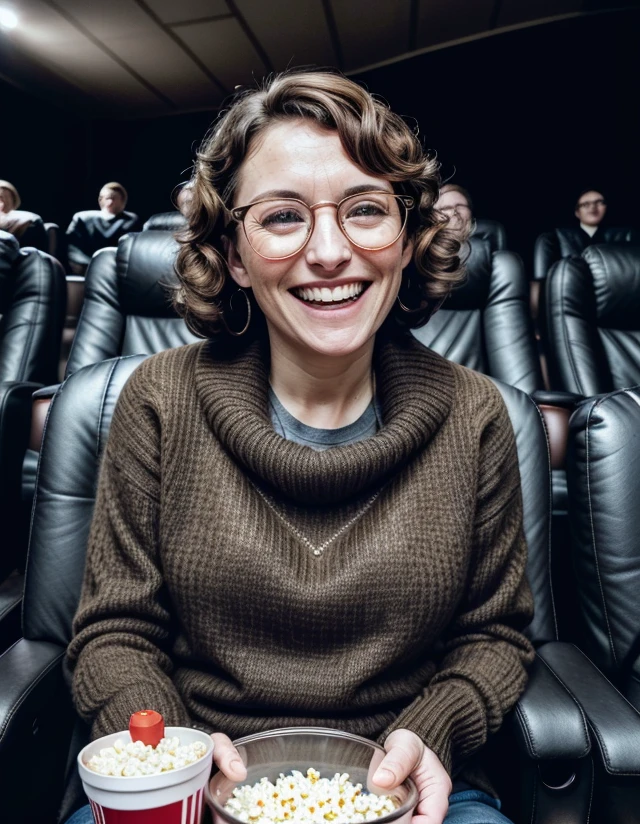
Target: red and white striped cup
173	797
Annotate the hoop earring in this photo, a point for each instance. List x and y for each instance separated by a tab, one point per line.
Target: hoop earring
403	307
246	326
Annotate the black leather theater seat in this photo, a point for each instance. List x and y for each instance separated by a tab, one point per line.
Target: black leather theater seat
543	744
485	324
493	232
166	222
560	243
603	474
127	305
593	320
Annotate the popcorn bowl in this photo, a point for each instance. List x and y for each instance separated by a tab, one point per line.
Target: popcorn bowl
329	751
172	797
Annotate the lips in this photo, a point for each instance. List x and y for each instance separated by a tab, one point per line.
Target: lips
327	296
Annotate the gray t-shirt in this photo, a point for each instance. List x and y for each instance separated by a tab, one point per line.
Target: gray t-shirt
294	430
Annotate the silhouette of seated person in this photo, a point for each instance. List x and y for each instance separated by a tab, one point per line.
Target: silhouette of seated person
26	227
592	228
95	229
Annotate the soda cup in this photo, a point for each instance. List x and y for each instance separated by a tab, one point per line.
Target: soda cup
172	797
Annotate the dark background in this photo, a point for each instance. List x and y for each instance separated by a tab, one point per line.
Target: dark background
525	119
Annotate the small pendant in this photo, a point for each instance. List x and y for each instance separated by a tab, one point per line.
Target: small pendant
317	552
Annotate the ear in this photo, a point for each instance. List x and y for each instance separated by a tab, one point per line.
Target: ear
237	268
407	252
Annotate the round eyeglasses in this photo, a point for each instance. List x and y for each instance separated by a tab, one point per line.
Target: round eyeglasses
278	228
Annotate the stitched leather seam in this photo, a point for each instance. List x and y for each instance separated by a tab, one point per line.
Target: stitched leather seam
534	802
590	793
105	389
576	702
31	325
550	499
565	331
26	694
593	532
526	729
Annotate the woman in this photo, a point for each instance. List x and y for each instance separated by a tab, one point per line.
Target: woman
310	519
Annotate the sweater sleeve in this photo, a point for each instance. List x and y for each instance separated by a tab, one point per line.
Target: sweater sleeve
482	670
123	629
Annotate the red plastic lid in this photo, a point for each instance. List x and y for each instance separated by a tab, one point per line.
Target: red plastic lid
147	726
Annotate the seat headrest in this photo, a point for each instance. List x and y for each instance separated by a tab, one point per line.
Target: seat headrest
145	269
166	222
615	270
9	251
492	231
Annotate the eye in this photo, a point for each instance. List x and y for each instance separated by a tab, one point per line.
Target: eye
365	211
282	217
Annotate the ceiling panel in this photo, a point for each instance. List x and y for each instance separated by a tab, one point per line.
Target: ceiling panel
170	11
371	30
292	34
519	11
226	51
53	41
443	20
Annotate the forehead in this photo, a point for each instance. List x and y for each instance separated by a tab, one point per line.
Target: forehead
106	192
452	198
593	195
300	156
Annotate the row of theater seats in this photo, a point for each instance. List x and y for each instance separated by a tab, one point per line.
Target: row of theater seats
553	766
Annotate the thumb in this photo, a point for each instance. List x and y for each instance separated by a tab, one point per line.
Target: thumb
404	752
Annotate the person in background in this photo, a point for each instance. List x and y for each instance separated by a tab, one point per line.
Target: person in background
590	209
175	220
27	227
95	229
455	202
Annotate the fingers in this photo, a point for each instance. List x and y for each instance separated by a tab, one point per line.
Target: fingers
404	752
226	757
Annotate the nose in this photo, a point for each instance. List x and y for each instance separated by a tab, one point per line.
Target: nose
327	246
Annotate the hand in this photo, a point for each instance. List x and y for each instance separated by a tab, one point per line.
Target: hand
227	758
408	756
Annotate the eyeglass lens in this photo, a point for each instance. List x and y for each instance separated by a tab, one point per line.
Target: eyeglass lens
587	203
280	228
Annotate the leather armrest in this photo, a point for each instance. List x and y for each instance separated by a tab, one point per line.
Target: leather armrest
10	608
614	722
567	400
36	722
548	722
41	403
556	409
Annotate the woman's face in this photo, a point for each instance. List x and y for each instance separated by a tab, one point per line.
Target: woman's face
299	159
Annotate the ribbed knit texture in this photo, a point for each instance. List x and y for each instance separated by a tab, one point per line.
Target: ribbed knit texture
239	581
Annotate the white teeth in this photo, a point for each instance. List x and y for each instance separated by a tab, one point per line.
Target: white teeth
325	295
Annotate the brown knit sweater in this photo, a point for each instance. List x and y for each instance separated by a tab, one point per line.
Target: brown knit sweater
239	581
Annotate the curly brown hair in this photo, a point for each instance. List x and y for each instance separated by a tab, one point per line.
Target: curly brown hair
375	138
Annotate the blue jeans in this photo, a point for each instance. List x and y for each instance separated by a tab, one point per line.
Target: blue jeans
468	807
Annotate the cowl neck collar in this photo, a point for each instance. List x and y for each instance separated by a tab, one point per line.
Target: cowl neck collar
415	388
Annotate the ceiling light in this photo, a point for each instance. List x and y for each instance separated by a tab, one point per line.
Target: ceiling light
8	19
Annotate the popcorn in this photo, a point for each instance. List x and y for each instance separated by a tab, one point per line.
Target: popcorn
133	758
307	799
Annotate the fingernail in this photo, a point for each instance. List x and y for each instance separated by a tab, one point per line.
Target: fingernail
383	776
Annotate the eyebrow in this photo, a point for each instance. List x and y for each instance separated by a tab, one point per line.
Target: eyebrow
288	193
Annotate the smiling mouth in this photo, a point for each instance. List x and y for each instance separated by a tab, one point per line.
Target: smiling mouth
323	296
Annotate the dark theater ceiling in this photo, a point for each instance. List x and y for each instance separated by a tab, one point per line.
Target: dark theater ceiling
141	58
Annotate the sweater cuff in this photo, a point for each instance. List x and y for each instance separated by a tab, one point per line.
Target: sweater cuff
448	717
114	716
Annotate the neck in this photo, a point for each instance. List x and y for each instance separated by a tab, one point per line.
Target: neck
590	230
323	392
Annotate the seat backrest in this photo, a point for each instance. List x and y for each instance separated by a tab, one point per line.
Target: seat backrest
127	304
492	231
603	478
486	324
593	320
166	222
560	243
32	306
81	415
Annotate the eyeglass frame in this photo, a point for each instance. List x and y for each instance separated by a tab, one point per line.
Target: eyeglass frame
238	213
600	201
